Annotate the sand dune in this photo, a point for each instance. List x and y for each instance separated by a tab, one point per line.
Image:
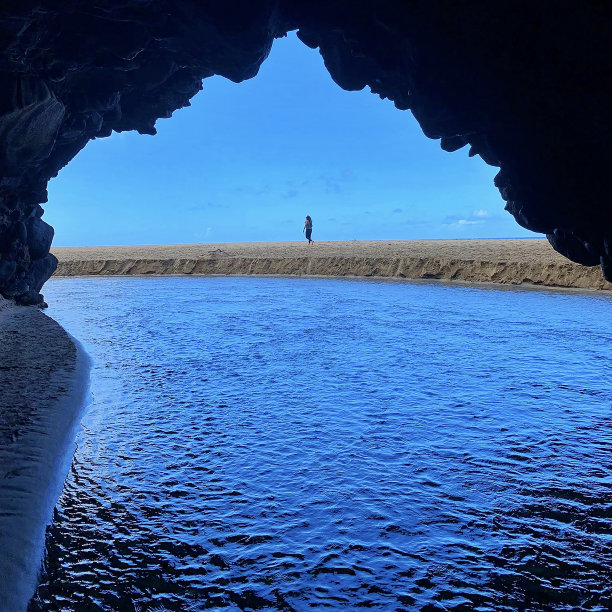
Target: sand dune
490	261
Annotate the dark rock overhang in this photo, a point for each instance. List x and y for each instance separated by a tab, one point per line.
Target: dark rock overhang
526	85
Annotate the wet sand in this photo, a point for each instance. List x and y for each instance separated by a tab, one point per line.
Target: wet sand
44	380
517	262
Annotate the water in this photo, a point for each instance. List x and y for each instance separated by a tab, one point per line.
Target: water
284	444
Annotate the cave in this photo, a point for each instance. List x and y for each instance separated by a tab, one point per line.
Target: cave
525	85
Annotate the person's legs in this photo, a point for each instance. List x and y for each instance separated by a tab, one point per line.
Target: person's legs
308	235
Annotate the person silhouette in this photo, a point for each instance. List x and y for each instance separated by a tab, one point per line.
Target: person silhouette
308	229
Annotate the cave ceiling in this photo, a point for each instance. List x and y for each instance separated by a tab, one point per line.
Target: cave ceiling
524	85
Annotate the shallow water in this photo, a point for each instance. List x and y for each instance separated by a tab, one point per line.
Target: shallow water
267	443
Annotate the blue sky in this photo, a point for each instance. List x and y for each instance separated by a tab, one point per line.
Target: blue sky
246	162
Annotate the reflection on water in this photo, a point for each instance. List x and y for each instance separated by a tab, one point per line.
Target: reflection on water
284	444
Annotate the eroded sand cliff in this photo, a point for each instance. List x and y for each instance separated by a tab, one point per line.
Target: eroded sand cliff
495	261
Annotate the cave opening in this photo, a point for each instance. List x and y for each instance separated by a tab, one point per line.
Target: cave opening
246	162
525	85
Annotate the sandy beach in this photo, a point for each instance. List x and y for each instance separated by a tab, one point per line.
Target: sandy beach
44	381
516	262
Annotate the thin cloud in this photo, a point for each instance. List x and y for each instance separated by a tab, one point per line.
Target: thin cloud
263	190
458	222
332	186
478	217
398	210
292	193
334	183
207	206
250	189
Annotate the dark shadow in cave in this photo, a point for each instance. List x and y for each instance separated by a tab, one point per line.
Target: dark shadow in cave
526	85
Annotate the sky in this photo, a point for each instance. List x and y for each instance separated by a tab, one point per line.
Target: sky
247	162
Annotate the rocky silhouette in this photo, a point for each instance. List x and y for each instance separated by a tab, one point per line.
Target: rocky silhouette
526	85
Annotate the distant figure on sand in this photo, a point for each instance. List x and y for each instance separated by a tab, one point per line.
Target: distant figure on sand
308	229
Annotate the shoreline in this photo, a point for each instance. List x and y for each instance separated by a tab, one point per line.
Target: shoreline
45	386
524	286
510	262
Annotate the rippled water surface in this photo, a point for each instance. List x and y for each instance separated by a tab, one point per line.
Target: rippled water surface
284	444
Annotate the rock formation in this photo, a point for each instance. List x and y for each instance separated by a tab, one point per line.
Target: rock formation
526	85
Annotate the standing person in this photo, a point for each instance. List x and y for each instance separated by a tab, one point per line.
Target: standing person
308	229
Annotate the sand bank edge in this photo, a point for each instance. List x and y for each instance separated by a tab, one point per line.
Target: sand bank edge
547	274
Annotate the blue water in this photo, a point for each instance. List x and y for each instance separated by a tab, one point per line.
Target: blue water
284	444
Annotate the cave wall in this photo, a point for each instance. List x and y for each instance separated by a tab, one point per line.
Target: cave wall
526	85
